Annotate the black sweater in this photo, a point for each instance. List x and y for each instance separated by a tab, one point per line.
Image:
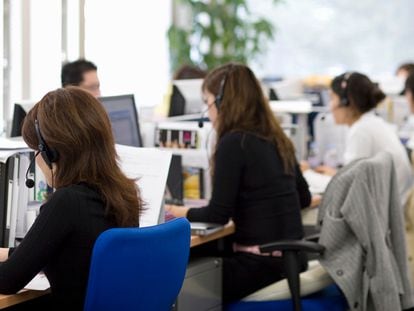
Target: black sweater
251	187
60	242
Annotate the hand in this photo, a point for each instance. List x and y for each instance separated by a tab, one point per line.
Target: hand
176	211
4	254
326	170
304	165
316	200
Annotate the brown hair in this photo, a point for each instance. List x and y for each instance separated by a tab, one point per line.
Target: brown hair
356	88
409	67
189	72
409	83
243	107
74	124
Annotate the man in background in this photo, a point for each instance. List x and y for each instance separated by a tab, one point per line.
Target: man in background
81	73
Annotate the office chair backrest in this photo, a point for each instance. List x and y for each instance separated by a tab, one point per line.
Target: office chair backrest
138	268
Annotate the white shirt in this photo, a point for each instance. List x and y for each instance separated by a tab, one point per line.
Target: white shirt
369	135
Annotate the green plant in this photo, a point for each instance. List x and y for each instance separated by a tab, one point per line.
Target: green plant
218	31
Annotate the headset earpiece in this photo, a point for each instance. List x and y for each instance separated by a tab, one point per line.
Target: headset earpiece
48	154
344	99
220	94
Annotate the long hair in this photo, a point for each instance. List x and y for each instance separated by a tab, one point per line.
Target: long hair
77	127
243	107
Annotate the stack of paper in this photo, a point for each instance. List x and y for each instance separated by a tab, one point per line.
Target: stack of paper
317	182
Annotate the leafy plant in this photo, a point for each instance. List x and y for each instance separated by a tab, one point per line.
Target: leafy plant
218	31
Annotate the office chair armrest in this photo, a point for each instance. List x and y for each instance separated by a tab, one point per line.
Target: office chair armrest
292	245
313	237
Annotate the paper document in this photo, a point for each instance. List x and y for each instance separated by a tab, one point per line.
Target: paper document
39	282
12	143
150	167
317	182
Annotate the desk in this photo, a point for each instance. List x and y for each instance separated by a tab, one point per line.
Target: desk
198	240
22	296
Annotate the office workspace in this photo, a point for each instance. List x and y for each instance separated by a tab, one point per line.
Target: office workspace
253	145
190	126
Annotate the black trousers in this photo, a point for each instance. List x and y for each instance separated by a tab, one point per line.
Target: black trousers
245	273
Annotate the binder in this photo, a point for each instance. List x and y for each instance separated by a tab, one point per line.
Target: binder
14	202
23	198
8	201
5	176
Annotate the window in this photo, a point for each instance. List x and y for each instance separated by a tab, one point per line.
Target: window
127	40
329	37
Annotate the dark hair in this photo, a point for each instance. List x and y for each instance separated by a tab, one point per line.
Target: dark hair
72	72
243	107
77	127
409	67
189	72
359	91
409	83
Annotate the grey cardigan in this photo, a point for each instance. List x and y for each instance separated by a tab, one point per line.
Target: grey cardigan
362	228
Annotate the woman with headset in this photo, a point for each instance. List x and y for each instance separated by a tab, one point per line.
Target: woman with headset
256	180
75	150
353	100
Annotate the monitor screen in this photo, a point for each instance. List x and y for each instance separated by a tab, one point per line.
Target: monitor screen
124	119
187	97
175	184
19	113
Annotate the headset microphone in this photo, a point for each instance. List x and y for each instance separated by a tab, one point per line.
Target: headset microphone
200	123
30	182
201	120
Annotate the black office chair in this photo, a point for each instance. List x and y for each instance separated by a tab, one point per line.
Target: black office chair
329	298
291	250
350	208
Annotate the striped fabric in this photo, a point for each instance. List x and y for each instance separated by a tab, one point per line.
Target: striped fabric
362	228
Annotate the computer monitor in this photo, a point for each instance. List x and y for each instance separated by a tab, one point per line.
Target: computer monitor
19	113
175	183
186	97
124	119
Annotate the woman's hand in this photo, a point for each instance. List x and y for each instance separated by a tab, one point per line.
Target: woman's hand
316	200
4	254
304	165
326	170
176	211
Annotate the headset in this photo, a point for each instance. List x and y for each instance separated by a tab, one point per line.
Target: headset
217	101
344	99
220	94
50	155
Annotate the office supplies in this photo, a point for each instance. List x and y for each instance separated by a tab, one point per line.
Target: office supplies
317	182
39	282
124	119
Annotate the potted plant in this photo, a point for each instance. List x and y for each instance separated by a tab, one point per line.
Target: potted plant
214	32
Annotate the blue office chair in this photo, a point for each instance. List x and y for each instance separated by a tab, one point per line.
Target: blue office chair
138	268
